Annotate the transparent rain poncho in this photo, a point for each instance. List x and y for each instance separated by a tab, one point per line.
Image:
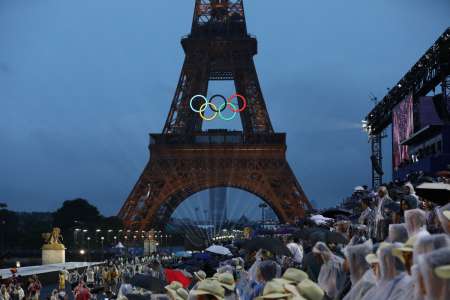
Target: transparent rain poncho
390	275
416	221
435	288
430	243
331	276
356	257
397	233
426	244
411	190
361	275
362	287
445	223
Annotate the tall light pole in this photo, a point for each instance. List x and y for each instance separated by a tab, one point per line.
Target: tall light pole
89	247
263	207
3	206
103	250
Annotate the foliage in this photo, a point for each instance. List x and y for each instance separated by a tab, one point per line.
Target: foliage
23	230
76	213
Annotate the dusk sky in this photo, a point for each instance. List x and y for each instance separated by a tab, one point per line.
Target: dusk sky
83	82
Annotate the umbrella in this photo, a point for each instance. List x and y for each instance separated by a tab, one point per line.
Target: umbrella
177	275
119	245
328	237
285	230
185	273
333	212
184	254
444	173
97	290
217	249
239	243
319	219
136	296
202	256
148	282
358	189
437	192
305	233
273	245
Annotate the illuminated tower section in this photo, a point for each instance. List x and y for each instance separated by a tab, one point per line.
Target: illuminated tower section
218	205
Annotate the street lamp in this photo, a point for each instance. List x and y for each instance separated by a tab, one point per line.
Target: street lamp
82	252
75	235
103	250
89	248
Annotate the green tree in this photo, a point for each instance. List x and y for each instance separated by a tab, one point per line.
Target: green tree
76	213
113	223
9	236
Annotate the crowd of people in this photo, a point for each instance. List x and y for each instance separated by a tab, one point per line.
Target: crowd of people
14	290
396	248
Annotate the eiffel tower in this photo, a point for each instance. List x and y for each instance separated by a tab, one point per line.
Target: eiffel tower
185	160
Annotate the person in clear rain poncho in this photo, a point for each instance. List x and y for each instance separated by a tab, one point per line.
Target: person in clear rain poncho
416	221
331	276
397	233
361	275
391	274
434	274
409	288
443	219
382	213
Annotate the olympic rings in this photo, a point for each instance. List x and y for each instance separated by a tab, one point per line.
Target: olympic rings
224	101
203	108
226	104
199	96
244	106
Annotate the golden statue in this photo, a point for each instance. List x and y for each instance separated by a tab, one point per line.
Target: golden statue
53	240
247	232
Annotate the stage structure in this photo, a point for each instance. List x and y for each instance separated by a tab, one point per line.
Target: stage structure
421	123
184	159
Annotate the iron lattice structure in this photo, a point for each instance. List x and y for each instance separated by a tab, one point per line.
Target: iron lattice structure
184	159
432	69
218	48
377	159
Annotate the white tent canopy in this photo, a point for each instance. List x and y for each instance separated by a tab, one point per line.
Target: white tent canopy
217	249
119	245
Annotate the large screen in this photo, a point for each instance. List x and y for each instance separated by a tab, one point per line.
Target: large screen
402	128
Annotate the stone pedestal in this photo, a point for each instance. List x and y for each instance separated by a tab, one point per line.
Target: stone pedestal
53	255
